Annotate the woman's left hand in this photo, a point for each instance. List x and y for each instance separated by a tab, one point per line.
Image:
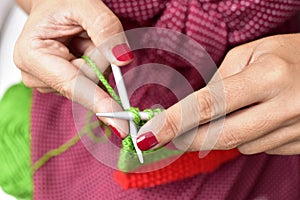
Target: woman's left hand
258	88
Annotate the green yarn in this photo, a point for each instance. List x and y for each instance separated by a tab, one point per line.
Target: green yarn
128	160
103	80
86	130
15	162
55	152
135	111
89	126
137	118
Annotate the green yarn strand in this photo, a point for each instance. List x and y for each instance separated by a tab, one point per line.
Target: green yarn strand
103	80
136	116
135	111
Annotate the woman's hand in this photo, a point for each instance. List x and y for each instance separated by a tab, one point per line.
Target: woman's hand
259	91
59	31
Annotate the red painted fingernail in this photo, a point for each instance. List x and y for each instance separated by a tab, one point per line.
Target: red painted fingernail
146	141
116	131
122	52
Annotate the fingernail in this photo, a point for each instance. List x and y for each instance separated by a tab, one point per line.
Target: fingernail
116	131
146	141
122	52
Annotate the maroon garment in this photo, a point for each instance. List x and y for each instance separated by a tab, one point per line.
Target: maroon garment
77	175
217	25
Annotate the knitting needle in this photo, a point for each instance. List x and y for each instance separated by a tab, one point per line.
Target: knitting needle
126	105
126	115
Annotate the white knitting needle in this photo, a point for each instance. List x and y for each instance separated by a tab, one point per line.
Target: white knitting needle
125	103
126	115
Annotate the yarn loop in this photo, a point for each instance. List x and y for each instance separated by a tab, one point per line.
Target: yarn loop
137	118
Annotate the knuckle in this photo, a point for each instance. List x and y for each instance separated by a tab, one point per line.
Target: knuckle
64	89
264	124
268	43
234	51
109	23
277	68
173	128
228	141
204	105
24	55
237	51
66	85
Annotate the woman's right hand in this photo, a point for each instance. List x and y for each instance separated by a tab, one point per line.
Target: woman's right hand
56	33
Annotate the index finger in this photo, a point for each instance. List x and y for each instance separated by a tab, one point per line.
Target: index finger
213	101
106	32
69	81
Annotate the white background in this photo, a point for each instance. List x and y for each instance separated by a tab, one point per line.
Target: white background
12	20
9	32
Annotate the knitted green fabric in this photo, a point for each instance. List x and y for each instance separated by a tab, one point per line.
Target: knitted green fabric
128	160
137	119
15	173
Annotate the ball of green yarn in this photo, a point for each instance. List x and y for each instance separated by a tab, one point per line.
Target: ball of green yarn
15	168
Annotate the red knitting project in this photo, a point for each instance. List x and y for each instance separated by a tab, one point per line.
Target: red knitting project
188	165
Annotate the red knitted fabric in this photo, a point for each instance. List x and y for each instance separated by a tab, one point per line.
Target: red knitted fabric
188	165
217	25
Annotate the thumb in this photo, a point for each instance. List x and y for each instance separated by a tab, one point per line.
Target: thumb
107	35
106	32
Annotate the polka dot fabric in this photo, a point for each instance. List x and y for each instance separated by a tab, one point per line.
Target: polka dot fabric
77	175
217	25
